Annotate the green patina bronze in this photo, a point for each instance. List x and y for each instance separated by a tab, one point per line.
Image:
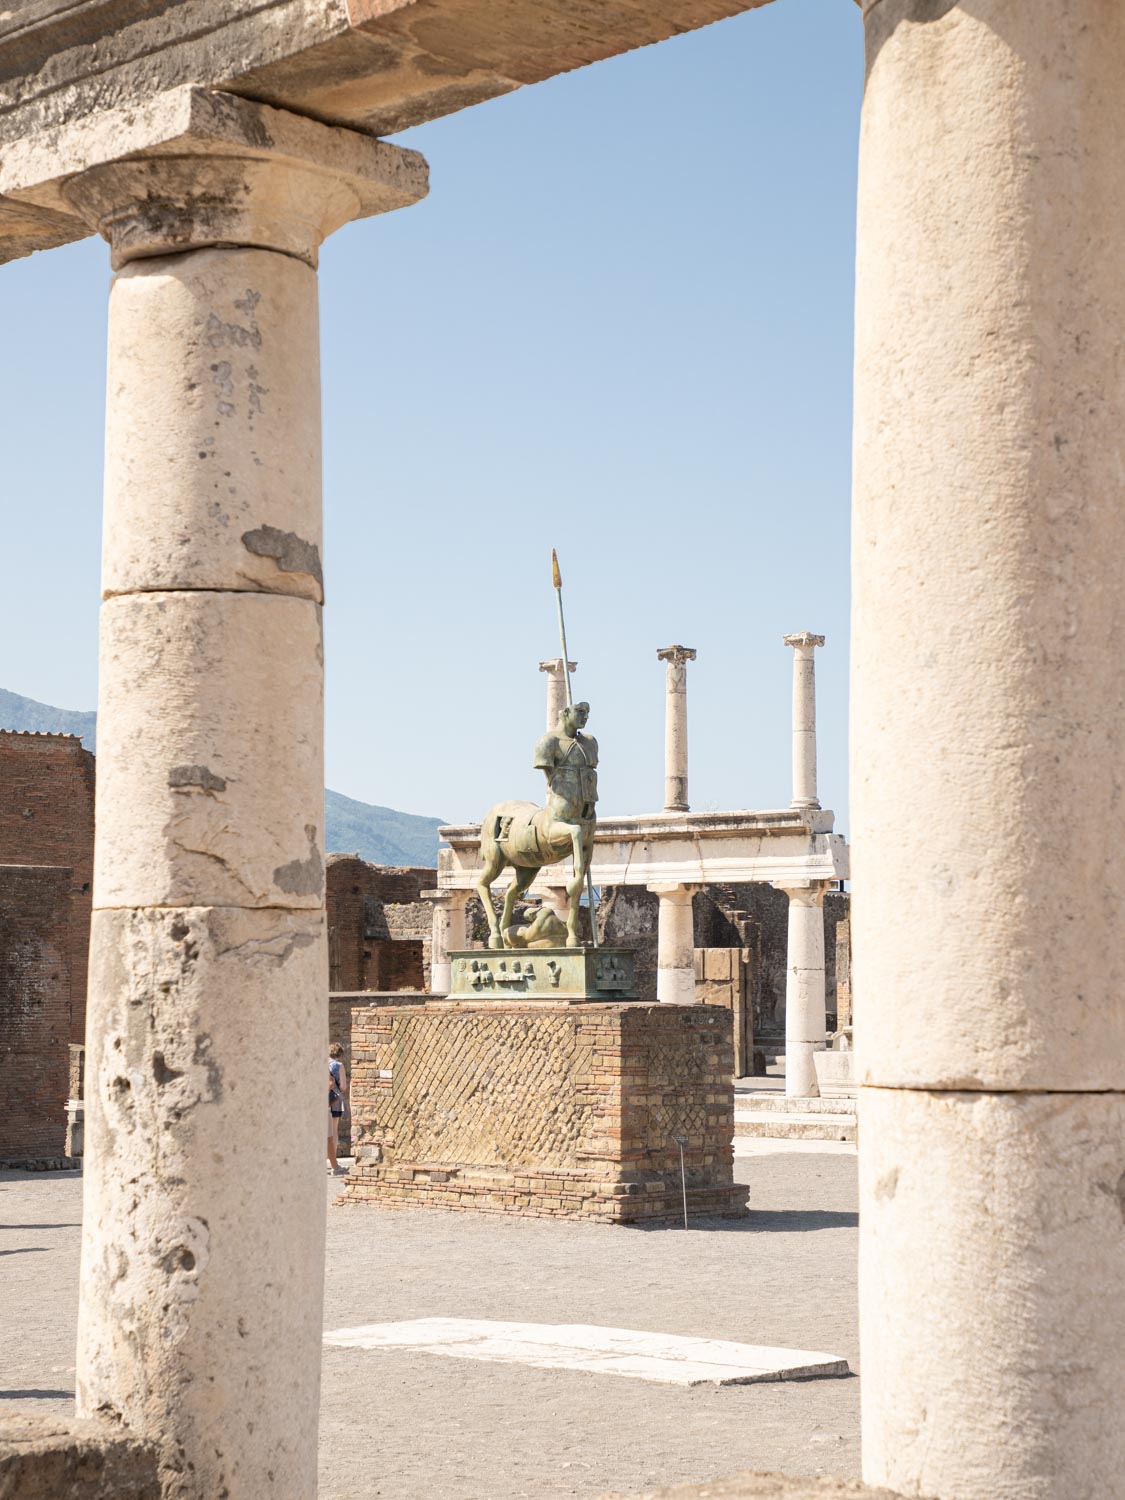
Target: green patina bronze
526	838
562	974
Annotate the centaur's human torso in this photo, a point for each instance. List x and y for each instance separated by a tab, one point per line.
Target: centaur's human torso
526	838
570	764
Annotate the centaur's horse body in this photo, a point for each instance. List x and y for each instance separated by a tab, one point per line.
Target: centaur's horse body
526	838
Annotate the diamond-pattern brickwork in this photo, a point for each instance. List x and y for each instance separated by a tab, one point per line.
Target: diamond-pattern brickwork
548	1110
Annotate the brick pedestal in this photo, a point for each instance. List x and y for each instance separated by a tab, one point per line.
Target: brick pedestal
549	1110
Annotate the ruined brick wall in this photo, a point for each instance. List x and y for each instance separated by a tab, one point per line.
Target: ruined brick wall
47	818
341	1008
35	1009
544	1109
372	910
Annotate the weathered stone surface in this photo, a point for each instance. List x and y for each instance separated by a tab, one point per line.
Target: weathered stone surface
374	65
43	1458
210	780
992	1293
213	464
544	1110
765	1487
988	660
192	1146
682	849
232	172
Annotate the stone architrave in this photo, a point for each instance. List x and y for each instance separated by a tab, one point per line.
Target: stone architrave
988	709
200	1311
804	718
556	688
675	726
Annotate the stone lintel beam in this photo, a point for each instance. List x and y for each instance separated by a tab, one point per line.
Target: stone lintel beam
274	180
372	65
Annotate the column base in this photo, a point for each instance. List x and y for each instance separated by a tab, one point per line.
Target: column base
800	1069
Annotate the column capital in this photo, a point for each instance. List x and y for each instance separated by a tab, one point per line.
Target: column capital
804	639
196	169
555	666
676	654
673	890
805	892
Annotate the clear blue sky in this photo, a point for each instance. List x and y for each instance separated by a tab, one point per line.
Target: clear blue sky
621	325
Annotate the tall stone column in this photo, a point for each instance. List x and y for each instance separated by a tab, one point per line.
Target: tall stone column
988	709
203	1232
449	934
806	1028
675	944
804	718
556	687
675	726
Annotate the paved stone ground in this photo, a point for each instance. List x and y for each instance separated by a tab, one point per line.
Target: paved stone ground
404	1425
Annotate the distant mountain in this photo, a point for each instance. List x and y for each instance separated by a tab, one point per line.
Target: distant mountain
378	834
25	713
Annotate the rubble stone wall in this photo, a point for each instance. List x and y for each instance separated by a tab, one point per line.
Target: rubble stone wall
35	1009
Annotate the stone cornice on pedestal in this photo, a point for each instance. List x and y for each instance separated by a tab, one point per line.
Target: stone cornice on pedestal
676	654
554	666
803	638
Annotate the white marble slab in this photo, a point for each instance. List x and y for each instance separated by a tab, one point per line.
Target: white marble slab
605	1351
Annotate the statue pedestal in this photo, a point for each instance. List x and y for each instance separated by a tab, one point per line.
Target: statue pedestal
543	1107
573	975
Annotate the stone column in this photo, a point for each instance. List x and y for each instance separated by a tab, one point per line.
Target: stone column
448	935
675	950
806	1029
988	709
675	726
203	1228
556	687
804	718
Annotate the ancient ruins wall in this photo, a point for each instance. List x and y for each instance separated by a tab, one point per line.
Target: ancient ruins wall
47	818
379	928
546	1110
726	916
35	946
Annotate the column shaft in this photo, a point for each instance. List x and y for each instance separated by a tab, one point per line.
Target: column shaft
675	945
208	967
805	1021
804	718
203	1223
988	708
448	935
675	727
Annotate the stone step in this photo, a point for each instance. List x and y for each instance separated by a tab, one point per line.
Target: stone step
756	1103
794	1127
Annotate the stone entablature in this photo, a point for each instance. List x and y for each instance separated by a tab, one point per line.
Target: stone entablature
688	848
73	71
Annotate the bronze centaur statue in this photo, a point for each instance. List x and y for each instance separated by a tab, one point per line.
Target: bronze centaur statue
527	837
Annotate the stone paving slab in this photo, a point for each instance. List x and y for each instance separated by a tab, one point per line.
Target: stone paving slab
670	1358
766	1487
